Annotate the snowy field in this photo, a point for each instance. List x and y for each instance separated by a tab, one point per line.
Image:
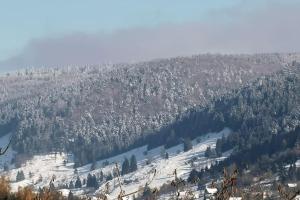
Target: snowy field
41	168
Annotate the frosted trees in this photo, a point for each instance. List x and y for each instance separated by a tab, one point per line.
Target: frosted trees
20	176
129	165
112	103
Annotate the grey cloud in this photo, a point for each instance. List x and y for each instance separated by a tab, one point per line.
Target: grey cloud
272	28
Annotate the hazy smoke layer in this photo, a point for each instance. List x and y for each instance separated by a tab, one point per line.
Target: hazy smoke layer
271	28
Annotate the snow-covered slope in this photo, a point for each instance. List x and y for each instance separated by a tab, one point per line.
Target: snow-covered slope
118	105
178	160
8	156
41	168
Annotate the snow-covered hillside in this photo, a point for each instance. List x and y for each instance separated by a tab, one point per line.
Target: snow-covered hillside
107	109
8	156
41	168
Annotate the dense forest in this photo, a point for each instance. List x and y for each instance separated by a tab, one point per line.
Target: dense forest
96	111
267	106
265	118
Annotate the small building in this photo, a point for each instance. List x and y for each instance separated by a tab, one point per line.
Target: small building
210	193
292	185
235	198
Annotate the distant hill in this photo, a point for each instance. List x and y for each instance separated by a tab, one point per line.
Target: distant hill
97	111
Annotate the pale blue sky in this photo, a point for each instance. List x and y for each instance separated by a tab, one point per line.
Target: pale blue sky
63	32
21	21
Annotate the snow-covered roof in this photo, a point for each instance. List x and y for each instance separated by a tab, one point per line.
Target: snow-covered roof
211	190
181	194
235	198
297	163
65	192
292	185
297	197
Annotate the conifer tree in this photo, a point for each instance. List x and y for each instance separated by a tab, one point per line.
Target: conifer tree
125	167
187	144
167	156
70	196
71	185
109	177
133	163
78	183
101	176
219	147
208	152
92	181
95	182
20	176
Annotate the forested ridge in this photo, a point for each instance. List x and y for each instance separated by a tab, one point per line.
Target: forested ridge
267	106
264	116
95	111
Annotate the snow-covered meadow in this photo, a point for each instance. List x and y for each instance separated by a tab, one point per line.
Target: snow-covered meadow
41	168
